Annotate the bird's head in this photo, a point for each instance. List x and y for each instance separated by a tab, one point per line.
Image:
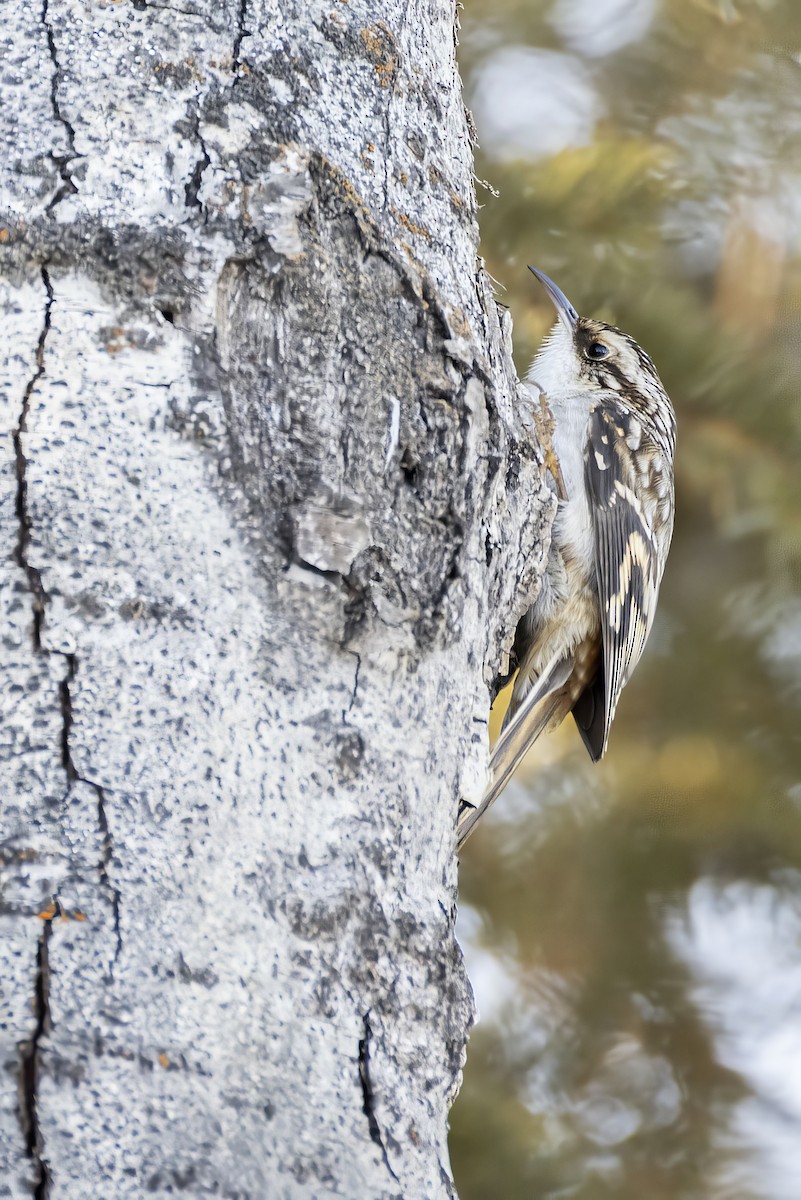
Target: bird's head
582	355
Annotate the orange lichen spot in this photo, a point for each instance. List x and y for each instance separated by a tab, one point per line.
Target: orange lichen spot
380	45
55	910
380	70
164	1060
4	235
348	189
115	338
176	73
418	268
412	226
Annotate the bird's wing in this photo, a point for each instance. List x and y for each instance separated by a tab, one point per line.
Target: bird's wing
629	556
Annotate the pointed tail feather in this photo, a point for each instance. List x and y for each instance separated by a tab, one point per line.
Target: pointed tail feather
545	704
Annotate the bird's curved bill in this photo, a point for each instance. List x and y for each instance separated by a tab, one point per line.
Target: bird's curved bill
565	310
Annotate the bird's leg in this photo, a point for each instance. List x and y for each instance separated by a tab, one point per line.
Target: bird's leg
544	424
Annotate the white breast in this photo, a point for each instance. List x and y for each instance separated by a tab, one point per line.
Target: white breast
573	525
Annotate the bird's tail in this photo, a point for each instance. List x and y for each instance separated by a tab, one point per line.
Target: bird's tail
547	704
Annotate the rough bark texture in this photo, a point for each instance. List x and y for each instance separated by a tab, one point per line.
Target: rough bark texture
271	508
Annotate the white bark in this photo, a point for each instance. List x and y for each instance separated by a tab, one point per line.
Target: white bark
271	508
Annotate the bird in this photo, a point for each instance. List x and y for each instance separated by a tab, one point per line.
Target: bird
614	443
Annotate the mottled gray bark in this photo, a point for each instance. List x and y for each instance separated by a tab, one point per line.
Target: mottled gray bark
270	507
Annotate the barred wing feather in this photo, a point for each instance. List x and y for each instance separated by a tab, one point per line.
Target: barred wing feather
628	554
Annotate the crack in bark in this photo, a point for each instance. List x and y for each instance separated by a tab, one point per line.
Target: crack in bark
107	844
144	5
105	879
240	34
368	1096
352	701
66	720
388	155
62	161
192	188
36	588
32	573
28	1051
29	1063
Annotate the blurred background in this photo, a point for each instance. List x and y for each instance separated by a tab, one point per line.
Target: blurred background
633	930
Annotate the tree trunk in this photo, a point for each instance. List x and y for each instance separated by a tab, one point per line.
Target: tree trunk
271	506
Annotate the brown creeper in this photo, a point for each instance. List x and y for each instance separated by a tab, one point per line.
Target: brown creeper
614	434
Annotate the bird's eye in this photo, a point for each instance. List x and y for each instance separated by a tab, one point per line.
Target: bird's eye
597	350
